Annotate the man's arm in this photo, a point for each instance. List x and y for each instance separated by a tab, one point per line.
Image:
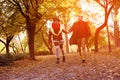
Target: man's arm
64	31
71	29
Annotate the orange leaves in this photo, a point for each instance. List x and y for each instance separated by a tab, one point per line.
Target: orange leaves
99	66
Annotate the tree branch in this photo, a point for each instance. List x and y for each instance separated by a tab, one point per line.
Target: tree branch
2	42
110	8
40	28
100	3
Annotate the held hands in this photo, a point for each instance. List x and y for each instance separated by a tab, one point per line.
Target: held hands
68	31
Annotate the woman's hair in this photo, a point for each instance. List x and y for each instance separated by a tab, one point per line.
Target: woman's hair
56	19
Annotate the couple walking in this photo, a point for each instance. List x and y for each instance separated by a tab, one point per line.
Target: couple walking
80	35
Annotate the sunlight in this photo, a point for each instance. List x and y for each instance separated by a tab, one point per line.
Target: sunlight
1	47
48	24
91	9
73	48
22	35
84	5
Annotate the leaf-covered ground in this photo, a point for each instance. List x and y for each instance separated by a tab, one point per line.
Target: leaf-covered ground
97	67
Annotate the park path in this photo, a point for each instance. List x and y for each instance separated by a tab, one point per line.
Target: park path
97	67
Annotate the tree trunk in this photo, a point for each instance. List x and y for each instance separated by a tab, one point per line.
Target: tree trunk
96	41
49	46
109	45
96	36
116	27
7	50
21	44
67	47
116	34
31	36
66	37
9	38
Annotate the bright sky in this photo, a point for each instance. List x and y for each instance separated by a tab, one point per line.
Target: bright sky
95	11
93	8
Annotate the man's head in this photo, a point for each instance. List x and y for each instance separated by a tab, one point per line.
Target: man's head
80	17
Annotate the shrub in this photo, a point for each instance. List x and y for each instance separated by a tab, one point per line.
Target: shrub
42	53
19	56
5	60
8	60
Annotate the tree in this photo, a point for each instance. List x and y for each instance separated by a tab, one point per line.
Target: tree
108	6
8	27
116	28
29	10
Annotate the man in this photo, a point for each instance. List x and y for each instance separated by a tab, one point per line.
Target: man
81	33
56	34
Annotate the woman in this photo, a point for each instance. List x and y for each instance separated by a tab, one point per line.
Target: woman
55	34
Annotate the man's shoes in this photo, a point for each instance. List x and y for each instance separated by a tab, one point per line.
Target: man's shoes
63	58
57	62
83	60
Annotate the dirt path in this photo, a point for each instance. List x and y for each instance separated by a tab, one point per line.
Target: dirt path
96	67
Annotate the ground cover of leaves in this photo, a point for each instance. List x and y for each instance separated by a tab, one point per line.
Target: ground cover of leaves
97	67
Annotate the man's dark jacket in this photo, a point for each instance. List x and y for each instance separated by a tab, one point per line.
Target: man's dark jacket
80	29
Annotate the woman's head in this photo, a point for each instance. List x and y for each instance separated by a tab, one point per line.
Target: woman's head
56	19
